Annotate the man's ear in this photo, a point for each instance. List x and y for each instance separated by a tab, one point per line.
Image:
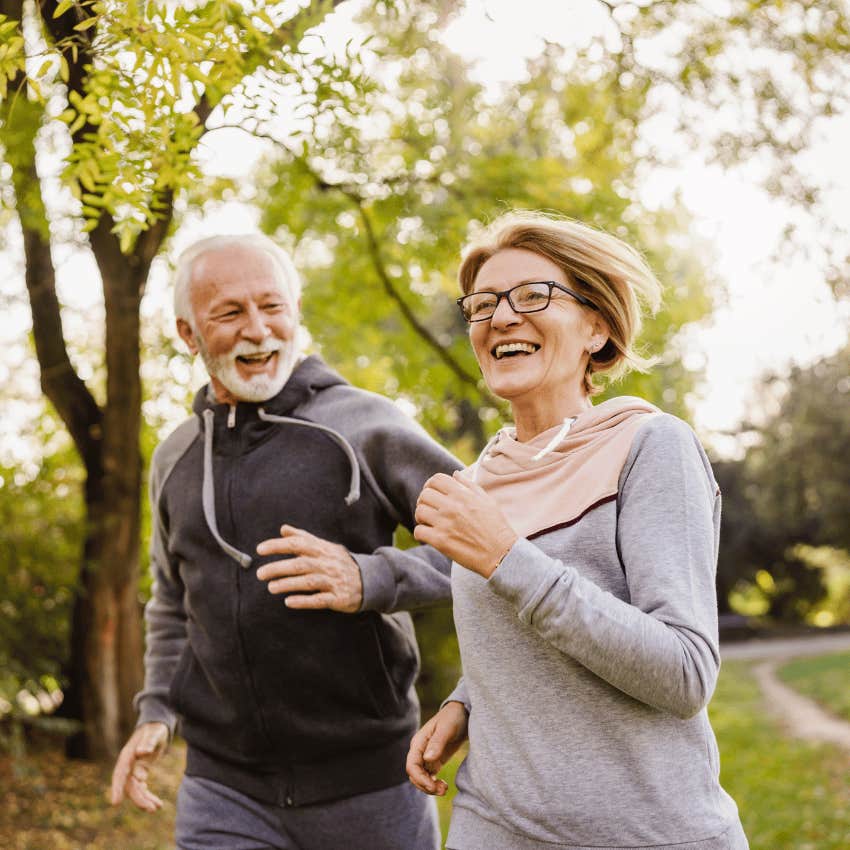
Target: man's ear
187	335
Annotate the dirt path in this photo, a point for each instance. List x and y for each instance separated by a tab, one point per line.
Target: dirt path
803	717
785	648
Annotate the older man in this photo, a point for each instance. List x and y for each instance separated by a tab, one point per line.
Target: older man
291	677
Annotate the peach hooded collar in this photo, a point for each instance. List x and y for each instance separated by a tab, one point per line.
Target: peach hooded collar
554	479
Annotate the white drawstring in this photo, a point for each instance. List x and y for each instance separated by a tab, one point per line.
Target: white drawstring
565	429
354	486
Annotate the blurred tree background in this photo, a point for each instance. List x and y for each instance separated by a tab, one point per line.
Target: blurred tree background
382	155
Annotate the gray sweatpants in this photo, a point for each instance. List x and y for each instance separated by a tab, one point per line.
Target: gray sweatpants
211	816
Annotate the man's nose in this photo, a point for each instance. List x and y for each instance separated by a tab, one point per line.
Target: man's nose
255	328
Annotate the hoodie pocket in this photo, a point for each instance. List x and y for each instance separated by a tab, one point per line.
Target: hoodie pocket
395	664
193	696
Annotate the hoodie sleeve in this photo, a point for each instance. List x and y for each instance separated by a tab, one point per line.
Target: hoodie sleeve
165	617
661	647
399	457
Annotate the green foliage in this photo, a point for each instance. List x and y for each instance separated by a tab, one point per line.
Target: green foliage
790	493
12	56
824	679
801	461
141	78
41	516
790	794
391	200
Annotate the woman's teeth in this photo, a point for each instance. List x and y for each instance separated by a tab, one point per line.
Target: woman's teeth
509	349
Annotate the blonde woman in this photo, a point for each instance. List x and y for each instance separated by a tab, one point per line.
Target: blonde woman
584	542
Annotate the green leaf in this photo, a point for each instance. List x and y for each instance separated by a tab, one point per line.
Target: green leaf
62	8
88	23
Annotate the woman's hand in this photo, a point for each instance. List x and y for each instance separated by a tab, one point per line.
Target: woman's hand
434	744
457	517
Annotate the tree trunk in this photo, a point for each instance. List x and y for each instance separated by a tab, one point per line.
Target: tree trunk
106	650
107	630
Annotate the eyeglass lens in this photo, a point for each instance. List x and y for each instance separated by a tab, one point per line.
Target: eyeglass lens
525	298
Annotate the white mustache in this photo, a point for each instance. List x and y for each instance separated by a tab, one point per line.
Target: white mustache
243	347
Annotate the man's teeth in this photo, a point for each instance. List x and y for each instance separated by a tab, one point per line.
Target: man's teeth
256	358
513	348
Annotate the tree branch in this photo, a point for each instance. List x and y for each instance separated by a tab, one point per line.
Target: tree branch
395	295
59	381
62	30
375	254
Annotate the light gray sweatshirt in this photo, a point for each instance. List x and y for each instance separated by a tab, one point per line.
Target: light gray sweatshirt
588	658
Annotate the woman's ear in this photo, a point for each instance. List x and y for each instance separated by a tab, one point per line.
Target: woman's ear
599	334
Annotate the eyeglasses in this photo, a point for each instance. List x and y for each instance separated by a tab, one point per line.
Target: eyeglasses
524	298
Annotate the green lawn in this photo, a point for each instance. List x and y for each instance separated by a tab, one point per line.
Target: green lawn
825	679
792	795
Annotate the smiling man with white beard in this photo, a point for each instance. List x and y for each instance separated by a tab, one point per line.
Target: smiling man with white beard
275	632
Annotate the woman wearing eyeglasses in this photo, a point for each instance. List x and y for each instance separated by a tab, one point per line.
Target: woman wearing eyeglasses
584	542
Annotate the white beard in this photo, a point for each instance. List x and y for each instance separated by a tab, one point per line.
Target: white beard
259	387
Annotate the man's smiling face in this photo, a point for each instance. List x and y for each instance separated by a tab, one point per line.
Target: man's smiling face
245	323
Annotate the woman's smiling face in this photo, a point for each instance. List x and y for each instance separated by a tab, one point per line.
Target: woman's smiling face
533	358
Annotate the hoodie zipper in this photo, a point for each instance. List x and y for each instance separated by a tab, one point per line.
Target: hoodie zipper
231	416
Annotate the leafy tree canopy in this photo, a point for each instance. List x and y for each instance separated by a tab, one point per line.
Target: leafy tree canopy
379	206
786	502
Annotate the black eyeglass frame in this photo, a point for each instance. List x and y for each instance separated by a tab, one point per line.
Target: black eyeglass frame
507	294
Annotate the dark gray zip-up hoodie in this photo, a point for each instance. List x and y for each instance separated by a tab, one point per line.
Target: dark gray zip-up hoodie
289	706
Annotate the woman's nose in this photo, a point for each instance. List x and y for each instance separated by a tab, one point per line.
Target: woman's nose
504	315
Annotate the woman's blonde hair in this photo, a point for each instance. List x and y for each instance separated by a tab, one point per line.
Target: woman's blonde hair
603	268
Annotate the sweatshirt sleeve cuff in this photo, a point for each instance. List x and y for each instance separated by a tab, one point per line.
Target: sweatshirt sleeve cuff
524	577
154	711
459	694
378	582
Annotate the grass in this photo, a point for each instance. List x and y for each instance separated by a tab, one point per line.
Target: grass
792	795
825	679
444	804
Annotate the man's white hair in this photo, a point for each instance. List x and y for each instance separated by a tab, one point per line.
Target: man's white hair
285	271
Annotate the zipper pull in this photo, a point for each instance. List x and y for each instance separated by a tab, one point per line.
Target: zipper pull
231	416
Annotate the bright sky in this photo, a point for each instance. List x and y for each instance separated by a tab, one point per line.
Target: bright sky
774	314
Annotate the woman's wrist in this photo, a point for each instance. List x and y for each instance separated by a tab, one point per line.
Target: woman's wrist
500	550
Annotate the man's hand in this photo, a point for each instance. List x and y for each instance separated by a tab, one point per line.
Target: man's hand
320	574
130	776
458	518
434	744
